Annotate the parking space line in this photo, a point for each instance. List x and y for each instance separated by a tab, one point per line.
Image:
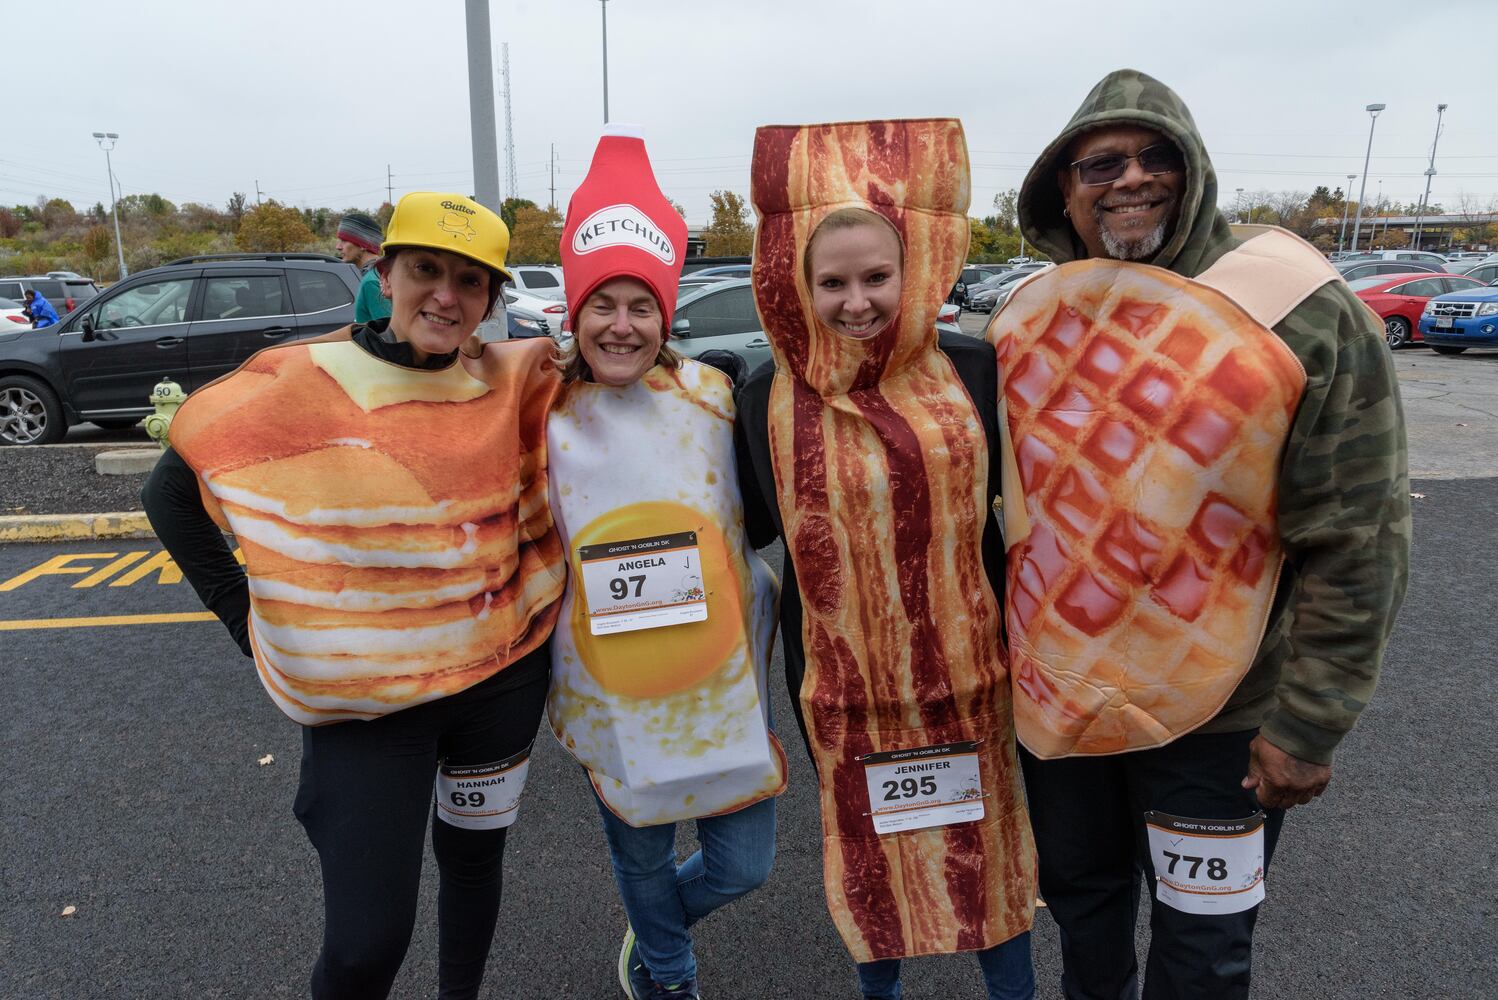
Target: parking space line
24	624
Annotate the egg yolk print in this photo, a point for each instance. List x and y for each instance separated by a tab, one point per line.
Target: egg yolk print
655	662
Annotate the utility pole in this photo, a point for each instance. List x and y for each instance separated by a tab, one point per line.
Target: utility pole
604	6
481	105
552	166
389	187
257	191
1429	173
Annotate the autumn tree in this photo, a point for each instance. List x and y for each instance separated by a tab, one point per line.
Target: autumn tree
729	234
510	206
10	223
97	243
680	209
235	207
273	227
56	213
536	236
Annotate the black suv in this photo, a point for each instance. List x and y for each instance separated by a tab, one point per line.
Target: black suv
191	320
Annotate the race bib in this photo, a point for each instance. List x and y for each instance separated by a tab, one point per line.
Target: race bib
923	787
482	796
643	583
1207	865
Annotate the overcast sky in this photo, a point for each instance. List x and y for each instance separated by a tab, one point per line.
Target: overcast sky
314	99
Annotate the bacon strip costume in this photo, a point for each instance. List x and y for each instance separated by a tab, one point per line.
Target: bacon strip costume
393	520
881	471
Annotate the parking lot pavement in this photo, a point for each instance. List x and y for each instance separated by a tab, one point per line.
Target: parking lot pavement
149	784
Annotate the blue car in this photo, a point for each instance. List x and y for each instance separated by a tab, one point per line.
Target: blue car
1453	322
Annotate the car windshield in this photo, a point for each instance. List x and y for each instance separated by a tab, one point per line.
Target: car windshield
9	304
1358	284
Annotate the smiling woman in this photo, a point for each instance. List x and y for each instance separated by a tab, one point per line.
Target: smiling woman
402	573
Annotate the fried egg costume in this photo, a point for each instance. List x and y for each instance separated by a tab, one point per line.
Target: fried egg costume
393	520
881	471
1149	414
671	722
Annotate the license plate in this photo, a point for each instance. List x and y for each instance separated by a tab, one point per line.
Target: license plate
1445	323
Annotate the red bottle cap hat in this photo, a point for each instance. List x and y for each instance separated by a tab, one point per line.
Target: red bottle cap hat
619	224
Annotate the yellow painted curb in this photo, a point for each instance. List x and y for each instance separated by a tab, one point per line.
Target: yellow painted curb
74	527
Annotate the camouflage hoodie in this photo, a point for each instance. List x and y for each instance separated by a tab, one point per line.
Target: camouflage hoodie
1344	511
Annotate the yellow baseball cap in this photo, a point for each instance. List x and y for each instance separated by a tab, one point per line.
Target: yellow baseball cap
449	222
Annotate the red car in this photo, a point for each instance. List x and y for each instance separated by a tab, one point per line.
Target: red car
1400	298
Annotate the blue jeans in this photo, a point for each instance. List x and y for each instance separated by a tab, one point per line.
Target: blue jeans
663	899
1007	972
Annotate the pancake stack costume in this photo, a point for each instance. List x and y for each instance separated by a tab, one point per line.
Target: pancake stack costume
1149	414
393	520
670	720
881	471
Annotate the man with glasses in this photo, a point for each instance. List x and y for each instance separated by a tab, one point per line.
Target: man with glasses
1184	661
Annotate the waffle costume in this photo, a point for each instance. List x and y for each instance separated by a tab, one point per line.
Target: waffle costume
881	474
671	722
1211	461
393	520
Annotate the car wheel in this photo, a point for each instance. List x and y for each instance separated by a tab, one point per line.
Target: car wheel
29	412
1439	349
115	423
1396	332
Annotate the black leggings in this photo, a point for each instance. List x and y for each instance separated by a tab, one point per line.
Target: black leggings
365	793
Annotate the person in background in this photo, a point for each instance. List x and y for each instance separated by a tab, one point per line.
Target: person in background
359	238
39	309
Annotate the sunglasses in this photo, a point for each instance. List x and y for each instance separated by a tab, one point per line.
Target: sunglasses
1105	168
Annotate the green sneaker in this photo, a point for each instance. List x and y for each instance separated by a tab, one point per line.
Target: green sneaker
634	978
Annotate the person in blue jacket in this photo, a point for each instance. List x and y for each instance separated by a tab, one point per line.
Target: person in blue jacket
41	311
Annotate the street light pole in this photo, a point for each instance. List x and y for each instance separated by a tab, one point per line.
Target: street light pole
1346	201
101	138
1373	110
1239	207
603	6
1430	172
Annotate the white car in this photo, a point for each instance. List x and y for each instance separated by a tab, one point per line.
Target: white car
12	316
554	310
542	280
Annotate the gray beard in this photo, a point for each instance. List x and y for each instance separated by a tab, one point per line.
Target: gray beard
1139	248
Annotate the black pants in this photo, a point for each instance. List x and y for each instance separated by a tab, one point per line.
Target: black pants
1088	815
366	791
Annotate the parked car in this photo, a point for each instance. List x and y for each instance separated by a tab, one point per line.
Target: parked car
1002	294
66	294
192	321
522	323
970	276
542	280
553	310
691	282
986	293
1399	299
721	271
1426	257
1453	322
1485	270
12	314
722	317
1351	270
